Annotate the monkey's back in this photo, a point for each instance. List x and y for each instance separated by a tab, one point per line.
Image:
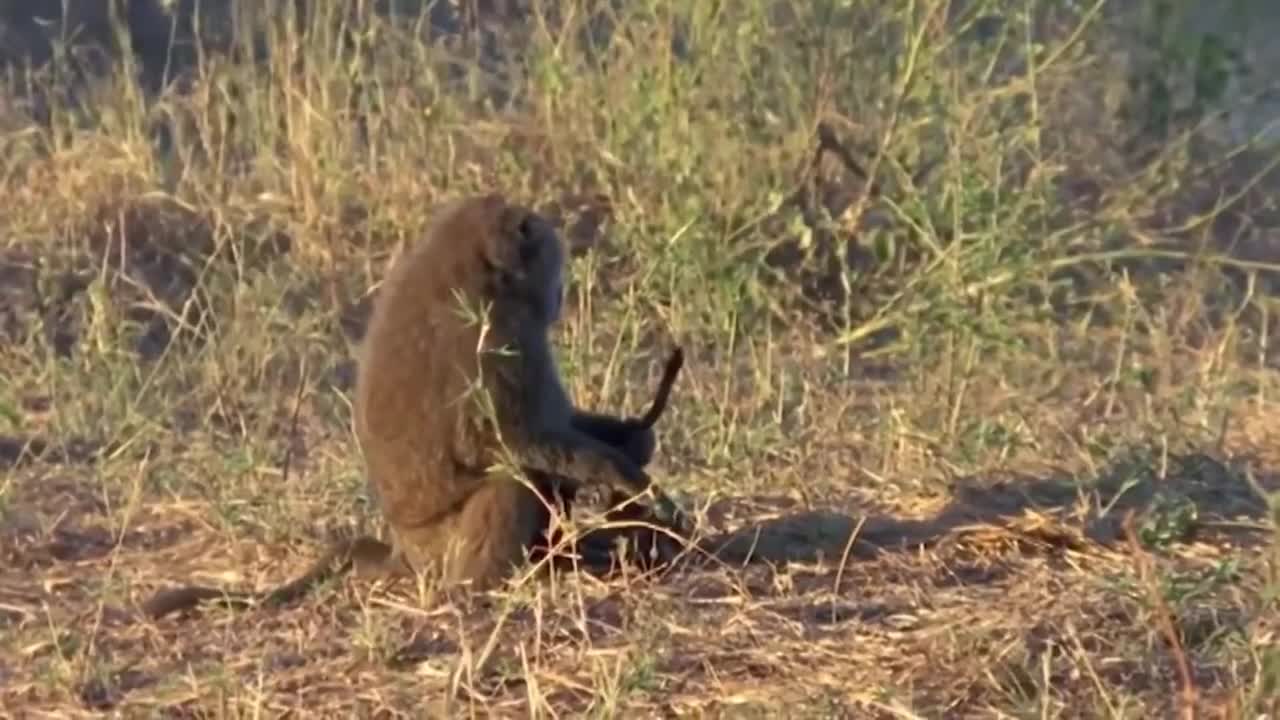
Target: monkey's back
417	364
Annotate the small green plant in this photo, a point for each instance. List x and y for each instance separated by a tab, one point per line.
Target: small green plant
1171	519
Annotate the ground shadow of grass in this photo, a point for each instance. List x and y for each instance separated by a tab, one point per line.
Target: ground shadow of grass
1195	495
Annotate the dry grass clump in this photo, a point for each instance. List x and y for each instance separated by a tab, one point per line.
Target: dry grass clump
979	363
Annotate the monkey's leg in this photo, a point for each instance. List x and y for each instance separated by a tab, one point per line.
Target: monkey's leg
484	540
557	495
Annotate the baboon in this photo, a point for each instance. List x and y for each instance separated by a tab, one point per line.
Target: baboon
457	376
430	452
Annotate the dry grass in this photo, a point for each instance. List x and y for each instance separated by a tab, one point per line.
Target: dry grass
1033	326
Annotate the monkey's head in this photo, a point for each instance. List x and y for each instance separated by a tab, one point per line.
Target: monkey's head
525	258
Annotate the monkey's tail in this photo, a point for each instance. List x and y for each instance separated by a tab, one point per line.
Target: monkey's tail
336	561
174	600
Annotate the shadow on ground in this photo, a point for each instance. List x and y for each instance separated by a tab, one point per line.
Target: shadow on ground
1198	495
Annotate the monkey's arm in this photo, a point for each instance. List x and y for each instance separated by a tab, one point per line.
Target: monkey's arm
561	449
547	441
566	452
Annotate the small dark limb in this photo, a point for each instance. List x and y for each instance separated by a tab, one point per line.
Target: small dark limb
665	509
669	373
632	533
